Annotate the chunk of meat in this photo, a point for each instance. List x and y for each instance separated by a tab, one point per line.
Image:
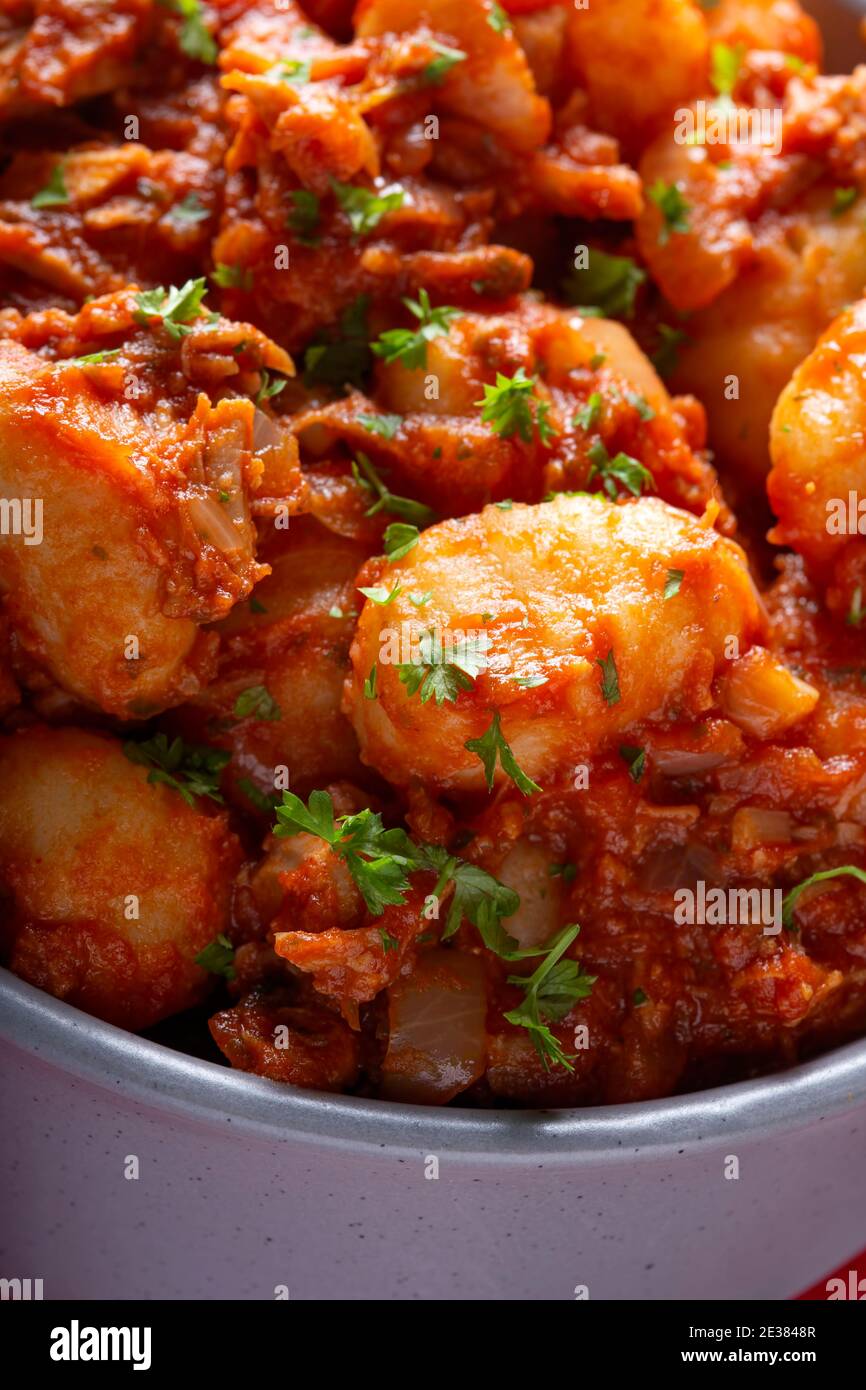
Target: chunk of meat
144	491
139	881
299	1044
545	595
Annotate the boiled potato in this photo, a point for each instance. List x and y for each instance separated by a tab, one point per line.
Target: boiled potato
112	885
542	597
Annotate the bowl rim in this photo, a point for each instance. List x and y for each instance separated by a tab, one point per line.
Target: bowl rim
162	1079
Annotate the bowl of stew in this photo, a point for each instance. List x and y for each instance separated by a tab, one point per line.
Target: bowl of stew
433	751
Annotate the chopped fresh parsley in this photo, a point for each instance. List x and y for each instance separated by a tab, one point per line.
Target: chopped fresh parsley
725	64
294	71
673	208
303	220
384	425
381	860
622	468
634	759
567	872
257	703
196	40
370	683
492	745
418	513
389	942
442	672
409	346
232	277
530	682
588	417
672	583
343	358
639	997
92	359
218	957
189	211
270	387
379	594
609	678
855	615
446	58
506	408
607	286
190	769
364	208
177	308
843	199
550	992
498	18
664	359
54	194
644	410
400	538
789	902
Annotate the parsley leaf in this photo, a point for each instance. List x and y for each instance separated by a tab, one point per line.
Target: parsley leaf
384	425
588	417
189	211
316	818
364	208
190	769
492	745
441	65
370	683
442	672
664	359
498	19
507	410
232	277
295	71
410	347
622	468
303	220
550	991
270	387
196	40
635	759
673	208
478	896
725	63
608	285
789	902
257	703
366	476
218	957
400	539
609	678
91	359
379	594
54	194
175	307
672	583
345	359
843	198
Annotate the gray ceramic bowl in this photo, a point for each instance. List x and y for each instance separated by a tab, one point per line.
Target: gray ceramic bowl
246	1189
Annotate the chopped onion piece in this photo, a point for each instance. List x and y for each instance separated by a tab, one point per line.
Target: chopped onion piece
763	697
753	826
438	1042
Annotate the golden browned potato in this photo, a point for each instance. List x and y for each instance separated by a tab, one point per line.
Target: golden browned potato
543	617
817	447
613	42
139	495
113	885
